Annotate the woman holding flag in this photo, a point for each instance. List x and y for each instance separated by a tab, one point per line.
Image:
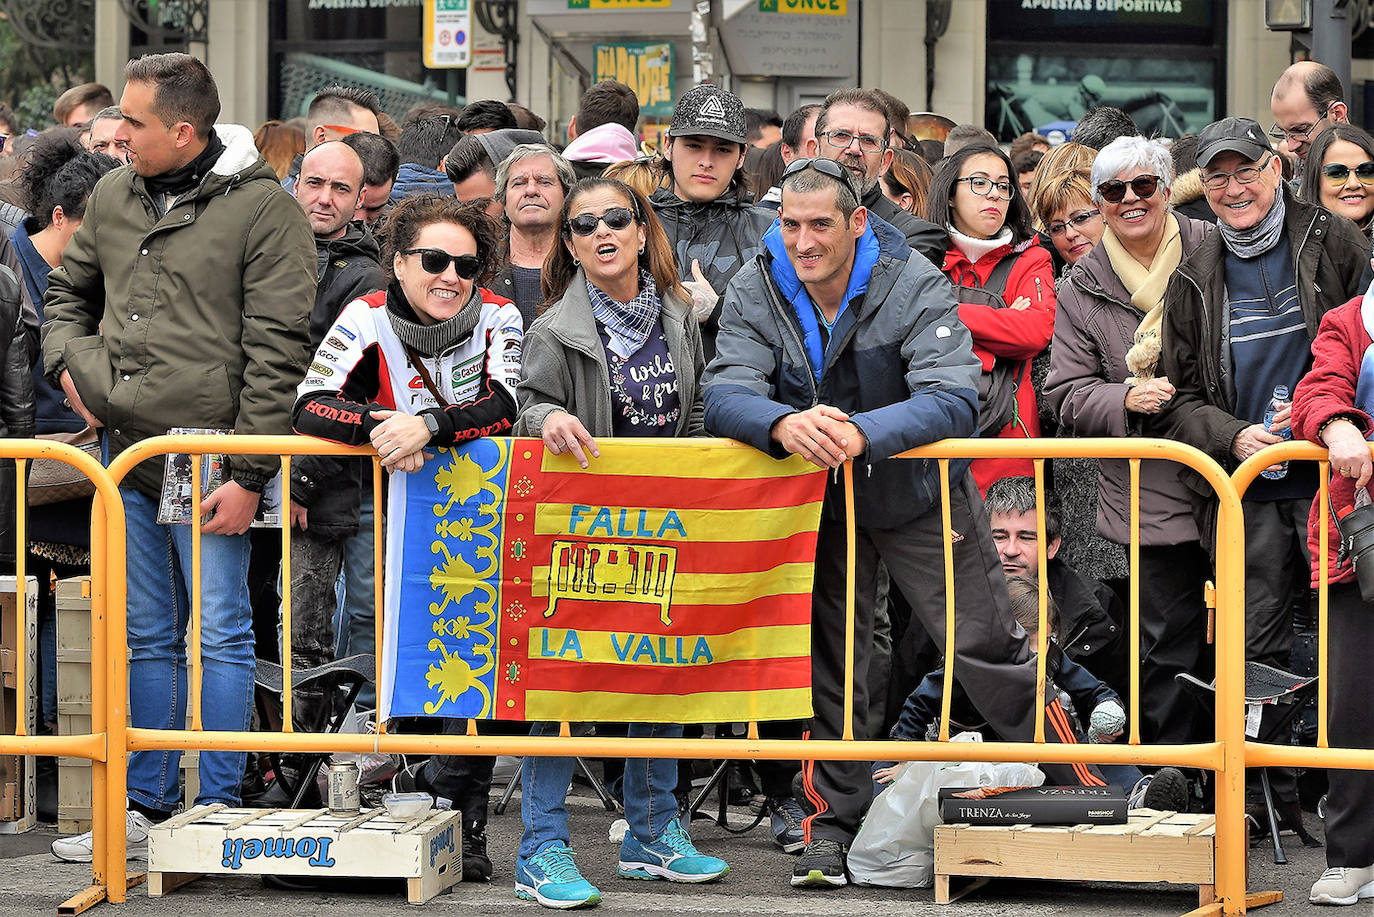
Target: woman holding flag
616	353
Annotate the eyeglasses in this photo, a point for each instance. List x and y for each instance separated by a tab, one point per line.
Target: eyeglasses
824	166
1114	191
436	261
1219	181
841	140
1077	221
617	218
1299	134
1337	173
982	186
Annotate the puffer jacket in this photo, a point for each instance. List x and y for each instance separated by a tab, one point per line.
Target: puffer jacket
16	400
1011	334
1094	328
1330	255
900	363
414	178
724	235
198	316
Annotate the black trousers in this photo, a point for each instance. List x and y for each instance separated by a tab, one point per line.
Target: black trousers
464	779
993	660
1275	549
1173	639
1350	724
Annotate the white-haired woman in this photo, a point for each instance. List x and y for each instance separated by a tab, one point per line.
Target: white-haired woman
1103	382
530	185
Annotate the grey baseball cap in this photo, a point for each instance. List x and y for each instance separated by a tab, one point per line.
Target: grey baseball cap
710	111
1232	135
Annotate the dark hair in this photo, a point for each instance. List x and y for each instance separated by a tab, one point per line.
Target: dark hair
279	144
1028	161
59	172
7	116
425	142
381	162
92	94
468	157
412	214
1016	494
755	119
183	90
1100	126
897	111
909	174
962	135
1309	190
940	203
336	102
932	151
866	99
526	119
1184	153
427	111
769	170
794	125
608	102
485	115
657	257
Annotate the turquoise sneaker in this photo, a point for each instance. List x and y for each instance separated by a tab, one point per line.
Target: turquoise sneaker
671	856
552	878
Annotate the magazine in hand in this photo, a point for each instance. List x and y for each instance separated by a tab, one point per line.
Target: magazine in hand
176	505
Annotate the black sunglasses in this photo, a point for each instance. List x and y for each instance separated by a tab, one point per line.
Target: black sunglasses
617	218
1114	191
1336	173
436	261
824	166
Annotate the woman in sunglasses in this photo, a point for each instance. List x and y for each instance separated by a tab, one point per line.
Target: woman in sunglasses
1103	382
617	353
1339	174
428	362
1005	286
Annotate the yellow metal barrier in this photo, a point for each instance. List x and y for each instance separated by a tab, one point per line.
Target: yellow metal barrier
108	760
1226	755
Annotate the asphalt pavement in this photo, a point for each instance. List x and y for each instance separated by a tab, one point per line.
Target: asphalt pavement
32	881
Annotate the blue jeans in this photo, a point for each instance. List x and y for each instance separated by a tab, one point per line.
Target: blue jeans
358	622
159	610
649	801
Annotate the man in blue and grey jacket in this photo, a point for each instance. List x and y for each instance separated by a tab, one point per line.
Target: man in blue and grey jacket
835	343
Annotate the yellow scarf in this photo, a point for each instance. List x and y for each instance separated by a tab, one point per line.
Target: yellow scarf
1146	286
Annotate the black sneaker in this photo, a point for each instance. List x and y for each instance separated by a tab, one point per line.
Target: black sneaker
1166	790
821	865
476	863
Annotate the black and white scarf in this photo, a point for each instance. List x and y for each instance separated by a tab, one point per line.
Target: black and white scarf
627	324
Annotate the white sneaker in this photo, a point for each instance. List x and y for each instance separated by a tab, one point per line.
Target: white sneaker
80	848
1343	885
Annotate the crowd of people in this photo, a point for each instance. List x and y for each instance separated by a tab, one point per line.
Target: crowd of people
824	285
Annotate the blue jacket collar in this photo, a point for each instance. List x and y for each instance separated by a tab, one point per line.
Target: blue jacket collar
35	269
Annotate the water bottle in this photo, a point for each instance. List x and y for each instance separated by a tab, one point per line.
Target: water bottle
1276	404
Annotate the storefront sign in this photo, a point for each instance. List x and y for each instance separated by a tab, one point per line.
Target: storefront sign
360	4
645	68
619	4
448	33
805	7
814	45
1156	22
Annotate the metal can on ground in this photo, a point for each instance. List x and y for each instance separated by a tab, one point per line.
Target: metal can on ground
343	789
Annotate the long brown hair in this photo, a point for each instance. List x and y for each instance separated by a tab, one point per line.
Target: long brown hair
657	257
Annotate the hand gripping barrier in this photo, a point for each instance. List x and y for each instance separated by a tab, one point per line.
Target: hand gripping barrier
1226	755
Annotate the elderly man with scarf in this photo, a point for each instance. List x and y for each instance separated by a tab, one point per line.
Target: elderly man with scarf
1240	315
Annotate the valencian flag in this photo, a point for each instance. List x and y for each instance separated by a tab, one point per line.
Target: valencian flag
669	581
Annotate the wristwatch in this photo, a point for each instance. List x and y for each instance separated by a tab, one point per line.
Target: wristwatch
431	424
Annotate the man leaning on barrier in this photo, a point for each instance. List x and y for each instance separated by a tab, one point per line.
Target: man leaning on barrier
835	344
183	301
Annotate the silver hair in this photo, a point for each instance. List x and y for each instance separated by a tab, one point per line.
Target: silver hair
1126	153
566	176
108	114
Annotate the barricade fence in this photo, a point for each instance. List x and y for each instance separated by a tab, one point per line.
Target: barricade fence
111	740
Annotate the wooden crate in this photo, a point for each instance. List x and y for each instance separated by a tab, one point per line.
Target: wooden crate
427	852
18	806
1151	847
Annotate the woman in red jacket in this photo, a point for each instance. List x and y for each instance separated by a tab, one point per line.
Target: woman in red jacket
1332	408
975	196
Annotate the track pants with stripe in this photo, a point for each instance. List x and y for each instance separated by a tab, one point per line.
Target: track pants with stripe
993	661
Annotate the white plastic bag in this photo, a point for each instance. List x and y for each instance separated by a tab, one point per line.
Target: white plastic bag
895	846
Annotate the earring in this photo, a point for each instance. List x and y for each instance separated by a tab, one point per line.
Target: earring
641	249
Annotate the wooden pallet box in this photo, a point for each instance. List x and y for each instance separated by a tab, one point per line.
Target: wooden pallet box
427	851
18	805
1152	847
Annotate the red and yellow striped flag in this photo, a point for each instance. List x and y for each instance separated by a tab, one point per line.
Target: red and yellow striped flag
669	581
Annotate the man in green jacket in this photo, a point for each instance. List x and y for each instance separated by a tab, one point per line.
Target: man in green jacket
183	301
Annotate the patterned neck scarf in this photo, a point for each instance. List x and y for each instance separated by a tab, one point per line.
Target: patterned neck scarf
627	324
1254	241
